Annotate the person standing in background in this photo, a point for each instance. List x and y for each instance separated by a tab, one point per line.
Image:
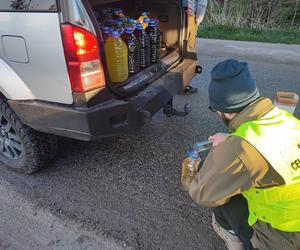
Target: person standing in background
195	14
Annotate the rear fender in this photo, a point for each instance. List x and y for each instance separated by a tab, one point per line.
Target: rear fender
11	85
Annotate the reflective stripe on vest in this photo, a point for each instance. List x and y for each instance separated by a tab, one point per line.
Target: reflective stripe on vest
277	137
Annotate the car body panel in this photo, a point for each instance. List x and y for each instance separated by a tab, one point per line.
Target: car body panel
45	72
11	85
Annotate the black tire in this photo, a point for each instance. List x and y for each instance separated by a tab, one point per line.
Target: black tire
22	148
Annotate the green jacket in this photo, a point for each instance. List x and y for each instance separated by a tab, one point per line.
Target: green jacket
235	166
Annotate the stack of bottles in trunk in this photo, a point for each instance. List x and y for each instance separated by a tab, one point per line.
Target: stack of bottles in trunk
130	45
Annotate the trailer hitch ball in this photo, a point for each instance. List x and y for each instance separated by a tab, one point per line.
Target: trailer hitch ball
198	69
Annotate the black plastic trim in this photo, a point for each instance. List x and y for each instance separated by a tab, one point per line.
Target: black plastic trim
106	119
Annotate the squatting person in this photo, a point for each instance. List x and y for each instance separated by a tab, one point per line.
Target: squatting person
252	176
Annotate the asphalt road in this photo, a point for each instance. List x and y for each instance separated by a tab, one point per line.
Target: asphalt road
124	192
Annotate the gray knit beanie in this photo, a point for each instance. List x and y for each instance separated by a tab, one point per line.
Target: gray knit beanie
231	87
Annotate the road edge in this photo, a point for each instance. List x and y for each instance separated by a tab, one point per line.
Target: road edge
25	227
278	53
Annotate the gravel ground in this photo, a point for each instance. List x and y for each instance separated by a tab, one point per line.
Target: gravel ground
127	188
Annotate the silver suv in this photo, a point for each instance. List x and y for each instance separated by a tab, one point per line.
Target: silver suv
54	78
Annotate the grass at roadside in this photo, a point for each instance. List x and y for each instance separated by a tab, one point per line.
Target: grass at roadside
249	34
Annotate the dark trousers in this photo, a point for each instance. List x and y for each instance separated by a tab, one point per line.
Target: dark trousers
233	216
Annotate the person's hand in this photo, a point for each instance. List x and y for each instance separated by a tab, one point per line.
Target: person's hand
217	138
198	20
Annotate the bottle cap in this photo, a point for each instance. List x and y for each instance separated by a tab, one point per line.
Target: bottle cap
146	20
193	154
106	29
152	23
114	33
139	26
128	30
130	20
145	13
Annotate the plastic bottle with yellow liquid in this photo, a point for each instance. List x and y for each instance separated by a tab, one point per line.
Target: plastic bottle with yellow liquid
116	58
190	165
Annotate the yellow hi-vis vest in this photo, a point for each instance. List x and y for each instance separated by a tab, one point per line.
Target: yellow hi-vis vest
277	137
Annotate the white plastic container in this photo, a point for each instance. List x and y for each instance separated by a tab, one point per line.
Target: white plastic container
287	101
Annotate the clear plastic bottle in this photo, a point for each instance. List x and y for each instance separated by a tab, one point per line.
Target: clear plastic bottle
144	43
190	167
106	33
155	41
202	146
117	58
133	50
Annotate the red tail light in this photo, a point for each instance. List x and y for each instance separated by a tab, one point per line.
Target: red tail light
82	56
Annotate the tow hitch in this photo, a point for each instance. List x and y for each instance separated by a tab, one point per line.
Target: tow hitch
198	69
170	111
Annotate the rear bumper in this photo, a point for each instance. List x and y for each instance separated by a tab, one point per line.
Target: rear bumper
103	120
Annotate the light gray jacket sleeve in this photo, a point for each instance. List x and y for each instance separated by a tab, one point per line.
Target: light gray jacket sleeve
200	10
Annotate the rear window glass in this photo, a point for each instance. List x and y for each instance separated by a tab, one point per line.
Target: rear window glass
28	5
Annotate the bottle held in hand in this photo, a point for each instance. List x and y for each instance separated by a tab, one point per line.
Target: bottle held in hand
190	167
202	146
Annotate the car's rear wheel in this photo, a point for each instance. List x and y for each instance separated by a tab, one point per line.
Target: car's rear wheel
22	148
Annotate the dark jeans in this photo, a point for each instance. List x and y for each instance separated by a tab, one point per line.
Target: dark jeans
233	216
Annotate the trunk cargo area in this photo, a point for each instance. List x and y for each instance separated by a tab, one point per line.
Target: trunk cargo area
170	17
